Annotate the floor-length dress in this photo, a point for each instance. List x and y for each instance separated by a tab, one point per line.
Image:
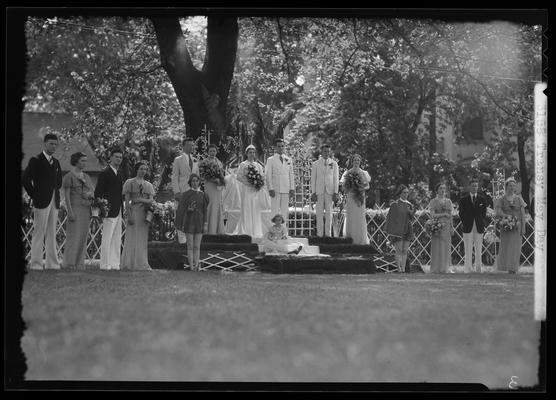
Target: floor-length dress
75	247
441	243
215	209
356	222
250	222
510	241
134	255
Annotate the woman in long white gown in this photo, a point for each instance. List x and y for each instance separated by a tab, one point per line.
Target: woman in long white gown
250	222
355	225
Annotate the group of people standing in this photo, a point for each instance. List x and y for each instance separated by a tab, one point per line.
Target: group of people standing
472	210
42	179
200	212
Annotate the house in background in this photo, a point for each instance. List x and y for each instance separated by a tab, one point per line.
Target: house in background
34	126
460	141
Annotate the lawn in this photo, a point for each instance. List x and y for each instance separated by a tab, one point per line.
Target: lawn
203	326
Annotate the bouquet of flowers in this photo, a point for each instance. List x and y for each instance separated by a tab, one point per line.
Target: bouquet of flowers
155	210
100	207
210	171
433	226
254	177
507	223
354	183
490	235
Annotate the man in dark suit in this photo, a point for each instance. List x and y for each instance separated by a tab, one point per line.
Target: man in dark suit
472	212
42	180
109	186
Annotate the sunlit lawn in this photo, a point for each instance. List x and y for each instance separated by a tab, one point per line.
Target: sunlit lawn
203	326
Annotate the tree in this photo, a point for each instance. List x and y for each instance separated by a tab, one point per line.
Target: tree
265	96
202	94
104	73
484	56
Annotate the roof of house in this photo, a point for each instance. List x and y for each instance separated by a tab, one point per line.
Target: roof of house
34	126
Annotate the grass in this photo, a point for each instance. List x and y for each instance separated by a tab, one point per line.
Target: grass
202	326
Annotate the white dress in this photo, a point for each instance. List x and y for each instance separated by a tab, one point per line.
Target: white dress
355	225
277	241
250	222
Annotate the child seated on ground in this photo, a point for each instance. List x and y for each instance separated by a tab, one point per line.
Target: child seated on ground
276	240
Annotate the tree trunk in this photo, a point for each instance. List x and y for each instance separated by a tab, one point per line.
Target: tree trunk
202	94
432	140
523	168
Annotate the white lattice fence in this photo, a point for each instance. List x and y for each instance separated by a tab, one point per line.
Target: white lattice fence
419	250
302	219
94	237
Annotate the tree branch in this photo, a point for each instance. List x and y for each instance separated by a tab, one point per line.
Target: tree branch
283	48
462	71
403	35
357	47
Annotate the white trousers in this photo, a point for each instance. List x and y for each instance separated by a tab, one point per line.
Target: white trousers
470	240
44	225
323	209
111	245
280	204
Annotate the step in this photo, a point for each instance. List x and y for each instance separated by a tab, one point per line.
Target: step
315	265
208	246
307	250
347	249
317	240
226	239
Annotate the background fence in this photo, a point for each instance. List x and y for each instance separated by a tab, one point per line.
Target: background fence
303	225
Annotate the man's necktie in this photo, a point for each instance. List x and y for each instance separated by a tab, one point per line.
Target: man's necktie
281	159
190	163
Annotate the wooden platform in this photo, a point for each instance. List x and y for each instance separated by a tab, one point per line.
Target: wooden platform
228	253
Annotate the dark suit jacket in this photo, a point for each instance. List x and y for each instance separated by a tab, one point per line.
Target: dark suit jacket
469	212
40	180
109	187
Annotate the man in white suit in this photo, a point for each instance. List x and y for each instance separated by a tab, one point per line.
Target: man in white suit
324	189
184	165
280	180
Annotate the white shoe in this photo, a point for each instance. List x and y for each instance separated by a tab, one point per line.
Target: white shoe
36	267
56	266
105	268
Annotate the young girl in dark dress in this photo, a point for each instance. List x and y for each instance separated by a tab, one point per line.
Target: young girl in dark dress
192	218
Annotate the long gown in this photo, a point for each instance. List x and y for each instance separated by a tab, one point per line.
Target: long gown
75	247
441	243
134	254
215	210
250	222
510	241
355	226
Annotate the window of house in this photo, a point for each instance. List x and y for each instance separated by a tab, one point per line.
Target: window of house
473	128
